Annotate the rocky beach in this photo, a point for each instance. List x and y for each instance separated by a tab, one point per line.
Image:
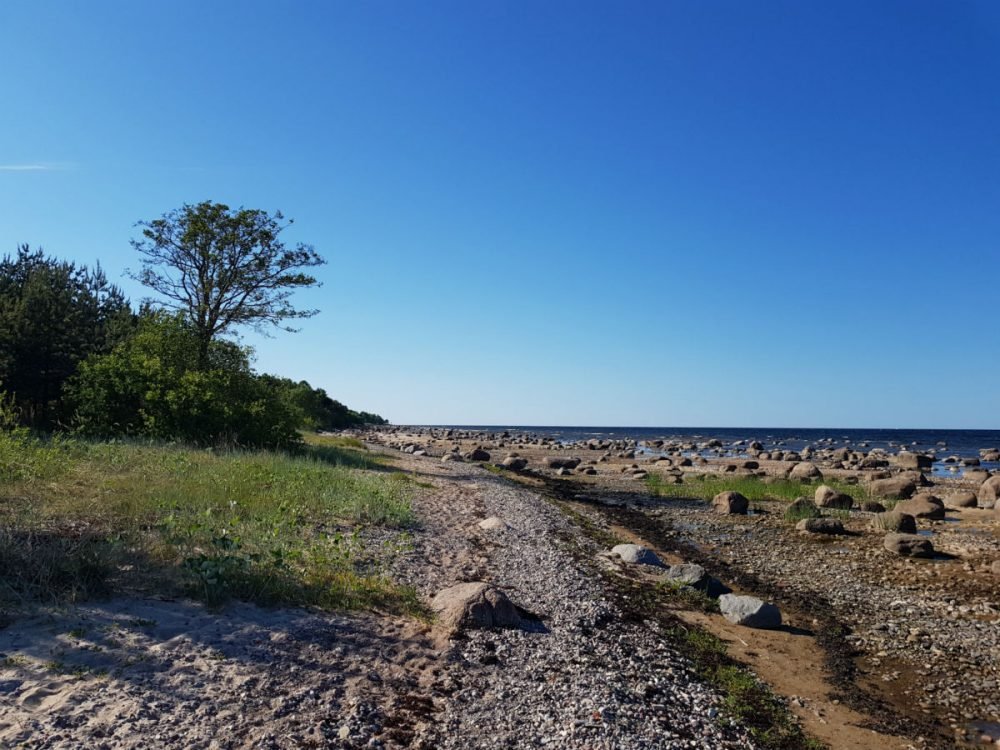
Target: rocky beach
578	595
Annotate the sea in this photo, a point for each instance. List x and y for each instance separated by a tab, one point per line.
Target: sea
940	443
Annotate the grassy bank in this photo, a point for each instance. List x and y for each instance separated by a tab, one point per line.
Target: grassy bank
81	519
753	488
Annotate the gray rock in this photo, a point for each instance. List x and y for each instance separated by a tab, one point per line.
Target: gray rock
837	501
894	488
452	457
474	605
820	526
477	455
989	492
917	461
805	471
961	499
514	463
730	503
695	576
749	611
801	506
635	553
493	523
560	462
909	545
870	506
923	505
895	521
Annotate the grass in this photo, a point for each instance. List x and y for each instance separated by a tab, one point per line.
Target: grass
747	700
753	488
82	519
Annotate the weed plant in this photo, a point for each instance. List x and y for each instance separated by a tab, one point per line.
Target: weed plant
81	519
754	488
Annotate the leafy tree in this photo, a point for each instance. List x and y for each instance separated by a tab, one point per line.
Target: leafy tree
223	268
156	385
319	411
53	314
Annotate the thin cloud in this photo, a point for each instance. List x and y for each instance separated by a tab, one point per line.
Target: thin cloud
34	167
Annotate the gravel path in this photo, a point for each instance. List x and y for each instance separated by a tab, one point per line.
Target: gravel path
588	679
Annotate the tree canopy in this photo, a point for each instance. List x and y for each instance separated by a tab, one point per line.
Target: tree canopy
53	315
223	268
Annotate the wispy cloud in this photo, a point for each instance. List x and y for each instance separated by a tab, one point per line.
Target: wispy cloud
39	167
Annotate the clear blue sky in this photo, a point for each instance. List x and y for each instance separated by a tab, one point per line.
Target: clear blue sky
663	213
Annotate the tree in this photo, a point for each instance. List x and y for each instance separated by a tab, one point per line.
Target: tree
53	314
154	385
223	268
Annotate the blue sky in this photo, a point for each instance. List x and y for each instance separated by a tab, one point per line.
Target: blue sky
662	213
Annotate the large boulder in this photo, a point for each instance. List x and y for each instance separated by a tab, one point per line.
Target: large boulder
989	492
909	545
802	507
805	471
493	523
749	611
924	505
694	576
474	605
961	499
870	506
514	463
837	501
730	503
894	488
635	553
562	462
452	457
976	476
916	461
895	521
822	493
820	526
477	454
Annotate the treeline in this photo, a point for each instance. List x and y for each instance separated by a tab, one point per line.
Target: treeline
75	355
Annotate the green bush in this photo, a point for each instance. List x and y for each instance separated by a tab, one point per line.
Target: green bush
153	385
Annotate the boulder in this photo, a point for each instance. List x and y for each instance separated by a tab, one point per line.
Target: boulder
822	493
909	545
492	524
870	506
989	492
894	488
976	476
694	576
749	611
477	455
805	471
636	554
474	605
837	501
924	505
514	463
560	462
452	457
730	503
961	499
820	526
917	461
895	521
801	506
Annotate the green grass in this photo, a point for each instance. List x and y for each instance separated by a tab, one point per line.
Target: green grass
81	519
753	488
746	700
